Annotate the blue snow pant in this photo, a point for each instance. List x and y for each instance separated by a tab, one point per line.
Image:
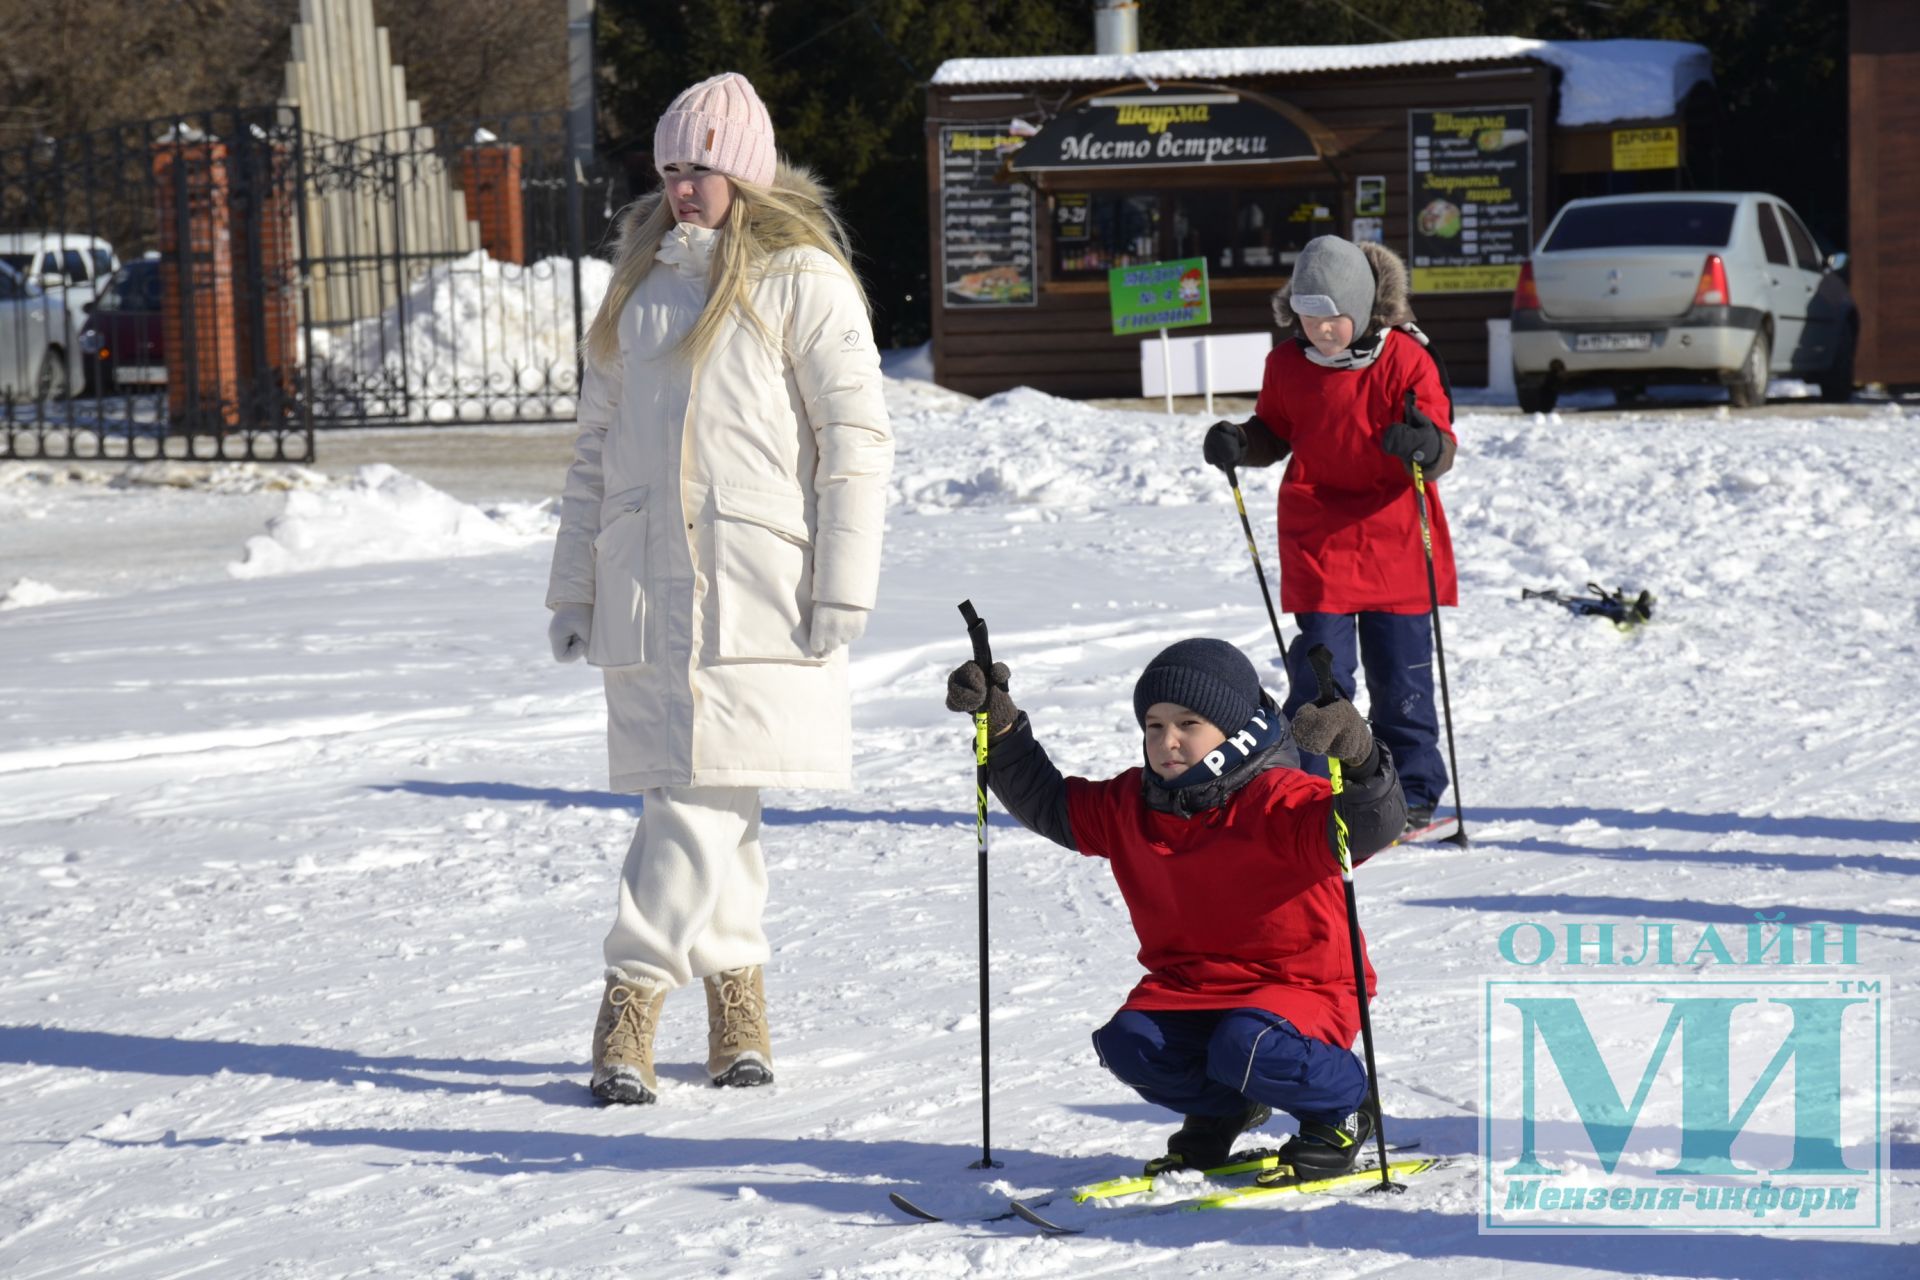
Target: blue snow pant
1208	1062
1396	649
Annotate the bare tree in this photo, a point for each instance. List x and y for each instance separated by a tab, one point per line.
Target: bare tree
71	68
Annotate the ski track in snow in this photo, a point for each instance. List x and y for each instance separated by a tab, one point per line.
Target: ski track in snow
307	872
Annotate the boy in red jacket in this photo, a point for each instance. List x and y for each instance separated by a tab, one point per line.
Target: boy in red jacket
1223	850
1333	405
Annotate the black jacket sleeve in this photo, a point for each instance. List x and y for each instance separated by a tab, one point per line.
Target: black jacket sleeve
1026	782
1372	804
1263	447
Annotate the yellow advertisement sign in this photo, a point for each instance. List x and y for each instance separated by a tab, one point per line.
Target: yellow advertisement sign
1487	279
1646	148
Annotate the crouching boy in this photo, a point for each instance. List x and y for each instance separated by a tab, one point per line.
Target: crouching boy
1223	850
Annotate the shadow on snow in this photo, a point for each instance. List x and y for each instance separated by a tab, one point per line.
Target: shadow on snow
161	1056
561	798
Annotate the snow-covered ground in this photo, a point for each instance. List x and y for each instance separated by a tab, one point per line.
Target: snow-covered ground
307	851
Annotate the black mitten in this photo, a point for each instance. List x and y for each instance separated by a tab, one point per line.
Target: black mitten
968	689
1225	445
1415	440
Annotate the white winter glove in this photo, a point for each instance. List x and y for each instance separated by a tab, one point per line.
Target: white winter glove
568	632
835	626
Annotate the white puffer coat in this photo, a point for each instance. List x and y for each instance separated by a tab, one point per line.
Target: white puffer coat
709	507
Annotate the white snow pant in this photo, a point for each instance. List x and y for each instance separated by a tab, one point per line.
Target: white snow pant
694	887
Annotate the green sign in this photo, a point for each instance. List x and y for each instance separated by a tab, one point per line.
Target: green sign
1159	295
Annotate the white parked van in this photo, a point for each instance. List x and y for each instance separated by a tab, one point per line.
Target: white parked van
39	357
63	262
1680	286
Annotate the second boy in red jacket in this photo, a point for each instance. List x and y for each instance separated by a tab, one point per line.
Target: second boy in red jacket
1333	405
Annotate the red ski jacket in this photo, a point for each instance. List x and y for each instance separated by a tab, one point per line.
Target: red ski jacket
1237	906
1349	529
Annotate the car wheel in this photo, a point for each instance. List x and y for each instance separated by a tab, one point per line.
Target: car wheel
1836	384
1748	389
1536	395
55	381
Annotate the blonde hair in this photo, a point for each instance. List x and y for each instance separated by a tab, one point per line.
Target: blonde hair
762	222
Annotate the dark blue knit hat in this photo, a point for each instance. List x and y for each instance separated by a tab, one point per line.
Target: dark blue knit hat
1208	676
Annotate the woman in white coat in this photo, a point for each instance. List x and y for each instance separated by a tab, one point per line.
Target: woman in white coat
719	549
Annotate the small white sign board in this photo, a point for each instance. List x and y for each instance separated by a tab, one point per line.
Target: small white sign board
1239	362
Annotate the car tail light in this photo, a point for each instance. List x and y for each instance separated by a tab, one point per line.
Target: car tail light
1712	289
1525	296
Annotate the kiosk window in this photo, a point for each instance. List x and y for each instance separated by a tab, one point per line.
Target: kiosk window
1271	228
1249	233
1239	233
1095	231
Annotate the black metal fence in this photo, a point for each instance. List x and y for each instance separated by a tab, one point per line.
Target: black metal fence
219	285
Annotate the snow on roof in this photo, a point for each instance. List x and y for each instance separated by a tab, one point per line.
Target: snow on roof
1601	80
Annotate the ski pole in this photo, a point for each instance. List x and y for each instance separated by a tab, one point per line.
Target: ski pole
1253	550
1322	660
982	654
1459	836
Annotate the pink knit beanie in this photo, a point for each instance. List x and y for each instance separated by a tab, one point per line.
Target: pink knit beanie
720	123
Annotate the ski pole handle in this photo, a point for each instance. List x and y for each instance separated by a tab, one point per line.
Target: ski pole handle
1322	659
1419	479
977	633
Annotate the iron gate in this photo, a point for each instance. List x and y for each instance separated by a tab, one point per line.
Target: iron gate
223	284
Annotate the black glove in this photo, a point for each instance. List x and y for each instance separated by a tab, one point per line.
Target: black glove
968	690
1415	440
1335	729
1226	445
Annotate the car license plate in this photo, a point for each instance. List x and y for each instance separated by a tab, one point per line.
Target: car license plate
142	373
1612	341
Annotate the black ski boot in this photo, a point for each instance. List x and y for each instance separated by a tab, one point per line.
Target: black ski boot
1205	1142
1418	817
1323	1150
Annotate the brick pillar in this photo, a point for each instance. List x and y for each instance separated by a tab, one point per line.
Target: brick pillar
266	283
196	249
490	177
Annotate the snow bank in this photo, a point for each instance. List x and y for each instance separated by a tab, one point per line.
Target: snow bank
473	339
914	363
382	515
1024	447
199	477
1601	80
27	592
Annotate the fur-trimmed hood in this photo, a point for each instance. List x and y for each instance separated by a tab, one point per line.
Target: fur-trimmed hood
798	179
1391	293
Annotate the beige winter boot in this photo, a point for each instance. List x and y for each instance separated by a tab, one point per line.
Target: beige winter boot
623	1041
738	1054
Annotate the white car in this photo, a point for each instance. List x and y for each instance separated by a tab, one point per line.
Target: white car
1680	286
72	265
39	358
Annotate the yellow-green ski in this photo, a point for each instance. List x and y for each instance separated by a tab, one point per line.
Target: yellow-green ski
1113	1188
1240	1197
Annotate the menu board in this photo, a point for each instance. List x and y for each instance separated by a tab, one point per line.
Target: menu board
986	227
1470	198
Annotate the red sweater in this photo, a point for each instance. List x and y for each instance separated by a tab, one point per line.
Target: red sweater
1349	529
1239	906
